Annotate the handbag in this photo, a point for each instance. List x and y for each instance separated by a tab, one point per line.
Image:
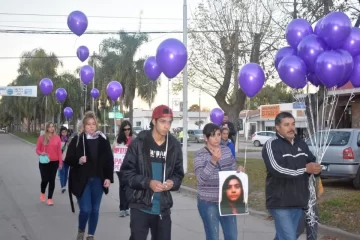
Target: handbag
44	159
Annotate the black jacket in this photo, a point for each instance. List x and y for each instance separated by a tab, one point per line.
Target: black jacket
136	172
78	175
287	183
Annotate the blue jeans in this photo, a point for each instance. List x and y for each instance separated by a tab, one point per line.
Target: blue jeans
89	204
286	223
64	172
209	213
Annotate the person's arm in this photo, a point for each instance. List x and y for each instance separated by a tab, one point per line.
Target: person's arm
178	173
232	148
204	168
129	170
276	164
109	166
310	157
39	146
59	151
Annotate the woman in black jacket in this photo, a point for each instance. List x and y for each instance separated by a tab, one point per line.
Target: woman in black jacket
91	160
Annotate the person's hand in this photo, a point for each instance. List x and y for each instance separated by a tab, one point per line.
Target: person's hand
216	155
43	153
82	160
313	168
156	186
107	183
241	169
60	167
168	185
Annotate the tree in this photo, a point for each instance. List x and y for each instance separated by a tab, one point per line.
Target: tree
194	108
224	34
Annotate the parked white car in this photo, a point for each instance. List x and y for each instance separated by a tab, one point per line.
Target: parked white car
260	138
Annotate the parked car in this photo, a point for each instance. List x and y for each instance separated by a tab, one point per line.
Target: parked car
260	138
196	135
342	156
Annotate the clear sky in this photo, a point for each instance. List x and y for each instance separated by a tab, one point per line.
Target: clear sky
159	15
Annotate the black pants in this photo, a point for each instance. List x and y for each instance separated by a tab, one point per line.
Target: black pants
141	222
48	176
311	232
124	204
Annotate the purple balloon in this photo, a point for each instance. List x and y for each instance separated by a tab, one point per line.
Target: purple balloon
330	68
335	28
296	30
171	56
251	79
355	75
82	53
46	86
61	94
317	29
114	90
292	71
151	68
283	52
352	42
95	93
77	22
217	116
68	112
309	49
349	65
311	77
86	74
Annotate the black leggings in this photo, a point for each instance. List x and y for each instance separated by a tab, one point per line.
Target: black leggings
124	204
48	175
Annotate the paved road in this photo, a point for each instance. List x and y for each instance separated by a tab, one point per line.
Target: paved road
22	217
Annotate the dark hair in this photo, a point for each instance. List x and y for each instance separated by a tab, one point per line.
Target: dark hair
281	116
151	126
226	114
224	199
62	128
121	137
210	129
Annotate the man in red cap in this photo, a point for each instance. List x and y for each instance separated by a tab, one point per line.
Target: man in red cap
152	167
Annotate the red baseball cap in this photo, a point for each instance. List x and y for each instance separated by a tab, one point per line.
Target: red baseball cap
162	111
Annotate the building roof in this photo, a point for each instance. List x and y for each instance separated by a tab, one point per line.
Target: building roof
249	113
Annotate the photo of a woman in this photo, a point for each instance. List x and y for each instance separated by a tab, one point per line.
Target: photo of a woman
232	197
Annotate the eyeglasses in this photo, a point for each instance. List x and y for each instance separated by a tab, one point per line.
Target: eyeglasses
126	129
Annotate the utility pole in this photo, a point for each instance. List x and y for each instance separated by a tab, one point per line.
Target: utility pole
185	93
199	109
236	72
93	83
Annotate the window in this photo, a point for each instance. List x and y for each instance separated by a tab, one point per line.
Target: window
335	138
138	124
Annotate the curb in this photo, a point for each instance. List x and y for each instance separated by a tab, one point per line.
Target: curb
322	229
21	139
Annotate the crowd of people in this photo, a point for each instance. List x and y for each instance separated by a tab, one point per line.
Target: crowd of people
153	167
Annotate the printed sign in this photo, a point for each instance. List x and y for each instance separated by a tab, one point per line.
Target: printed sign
269	111
300	113
119	155
299	105
19	91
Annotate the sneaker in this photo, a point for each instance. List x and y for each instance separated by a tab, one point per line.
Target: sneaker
122	213
63	190
90	238
80	235
127	212
50	202
42	197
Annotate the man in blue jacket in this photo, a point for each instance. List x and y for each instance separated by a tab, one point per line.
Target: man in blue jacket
226	141
289	163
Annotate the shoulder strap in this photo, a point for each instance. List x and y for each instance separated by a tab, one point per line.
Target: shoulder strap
207	149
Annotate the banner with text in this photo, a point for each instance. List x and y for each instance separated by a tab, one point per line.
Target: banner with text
19	91
119	155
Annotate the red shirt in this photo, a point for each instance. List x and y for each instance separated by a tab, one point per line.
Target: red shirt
53	149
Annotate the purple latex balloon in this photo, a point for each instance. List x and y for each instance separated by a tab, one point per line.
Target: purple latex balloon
335	28
77	22
292	71
317	29
217	116
171	56
296	30
86	74
355	75
283	52
46	86
311	77
82	53
251	79
114	90
330	68
95	93
151	68
352	42
309	49
61	94
349	64
68	112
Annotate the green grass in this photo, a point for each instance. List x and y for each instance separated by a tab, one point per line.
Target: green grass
30	137
339	206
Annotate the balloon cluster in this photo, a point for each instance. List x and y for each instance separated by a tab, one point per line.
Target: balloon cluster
327	55
171	58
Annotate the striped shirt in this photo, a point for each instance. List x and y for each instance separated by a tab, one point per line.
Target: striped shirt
207	174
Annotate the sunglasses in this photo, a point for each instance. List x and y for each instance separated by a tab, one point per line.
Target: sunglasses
126	129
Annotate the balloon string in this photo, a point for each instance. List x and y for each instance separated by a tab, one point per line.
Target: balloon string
76	38
246	116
